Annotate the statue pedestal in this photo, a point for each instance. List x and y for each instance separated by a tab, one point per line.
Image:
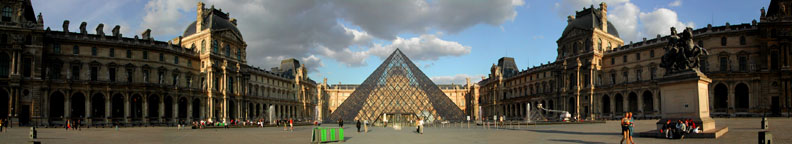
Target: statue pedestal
685	95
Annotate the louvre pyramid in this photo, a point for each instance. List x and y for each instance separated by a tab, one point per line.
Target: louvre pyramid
397	86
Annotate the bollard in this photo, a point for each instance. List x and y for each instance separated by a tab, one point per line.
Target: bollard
765	123
765	137
33	133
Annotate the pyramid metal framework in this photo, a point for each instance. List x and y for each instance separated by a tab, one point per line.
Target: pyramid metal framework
397	86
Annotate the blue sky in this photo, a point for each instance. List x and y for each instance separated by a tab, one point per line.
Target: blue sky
345	41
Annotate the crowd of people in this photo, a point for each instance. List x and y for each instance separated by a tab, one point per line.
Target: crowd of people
679	129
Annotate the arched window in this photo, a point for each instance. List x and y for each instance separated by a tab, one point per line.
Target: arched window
227	50
723	41
599	45
5	64
203	45
7	14
215	46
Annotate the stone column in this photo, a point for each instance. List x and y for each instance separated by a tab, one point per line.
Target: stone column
175	109
189	109
732	109
88	107
66	106
145	109
641	104
108	110
126	108
161	110
656	101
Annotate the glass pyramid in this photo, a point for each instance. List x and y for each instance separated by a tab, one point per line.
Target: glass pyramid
397	87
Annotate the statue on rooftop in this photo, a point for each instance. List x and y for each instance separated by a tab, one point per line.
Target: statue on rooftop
681	52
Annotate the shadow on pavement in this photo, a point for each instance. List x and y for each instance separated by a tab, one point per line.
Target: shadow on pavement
576	141
573	132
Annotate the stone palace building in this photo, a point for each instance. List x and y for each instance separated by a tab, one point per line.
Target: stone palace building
598	75
49	76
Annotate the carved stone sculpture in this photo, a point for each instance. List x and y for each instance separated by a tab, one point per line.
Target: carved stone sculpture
100	30
117	31
82	28
66	26
681	52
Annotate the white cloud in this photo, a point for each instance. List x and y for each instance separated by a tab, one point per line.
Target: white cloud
455	79
675	3
424	47
625	18
630	21
660	21
277	29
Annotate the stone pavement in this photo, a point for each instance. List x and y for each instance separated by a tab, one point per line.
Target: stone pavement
741	130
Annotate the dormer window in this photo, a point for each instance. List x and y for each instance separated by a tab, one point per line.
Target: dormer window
7	13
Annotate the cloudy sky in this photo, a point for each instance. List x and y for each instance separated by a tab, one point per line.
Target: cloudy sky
345	40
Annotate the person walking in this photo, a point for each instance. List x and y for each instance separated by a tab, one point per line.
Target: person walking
1	125
341	123
291	125
624	123
631	122
358	126
420	125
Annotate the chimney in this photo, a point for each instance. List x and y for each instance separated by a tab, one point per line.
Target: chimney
570	19
604	16
199	20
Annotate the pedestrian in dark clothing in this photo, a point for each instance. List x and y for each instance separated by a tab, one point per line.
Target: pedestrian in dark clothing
358	125
341	123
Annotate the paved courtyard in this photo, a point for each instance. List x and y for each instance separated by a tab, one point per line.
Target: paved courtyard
741	130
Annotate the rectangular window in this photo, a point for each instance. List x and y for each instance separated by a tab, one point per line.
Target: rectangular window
638	75
162	57
145	54
112	74
743	63
76	50
176	59
189	81
626	76
638	56
27	66
94	73
652	73
75	73
145	76
129	53
613	61
112	52
175	80
724	64
216	84
624	58
130	75
93	51
651	53
613	78
56	48
160	77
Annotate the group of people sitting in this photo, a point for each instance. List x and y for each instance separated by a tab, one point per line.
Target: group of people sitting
679	129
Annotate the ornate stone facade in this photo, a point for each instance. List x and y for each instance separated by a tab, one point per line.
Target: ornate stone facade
596	75
48	76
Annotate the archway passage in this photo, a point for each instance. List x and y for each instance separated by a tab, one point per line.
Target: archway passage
633	102
167	102
56	105
571	105
153	106
77	106
118	106
251	110
619	103
136	106
606	105
232	110
182	108
721	98
648	102
742	99
196	109
4	107
98	106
